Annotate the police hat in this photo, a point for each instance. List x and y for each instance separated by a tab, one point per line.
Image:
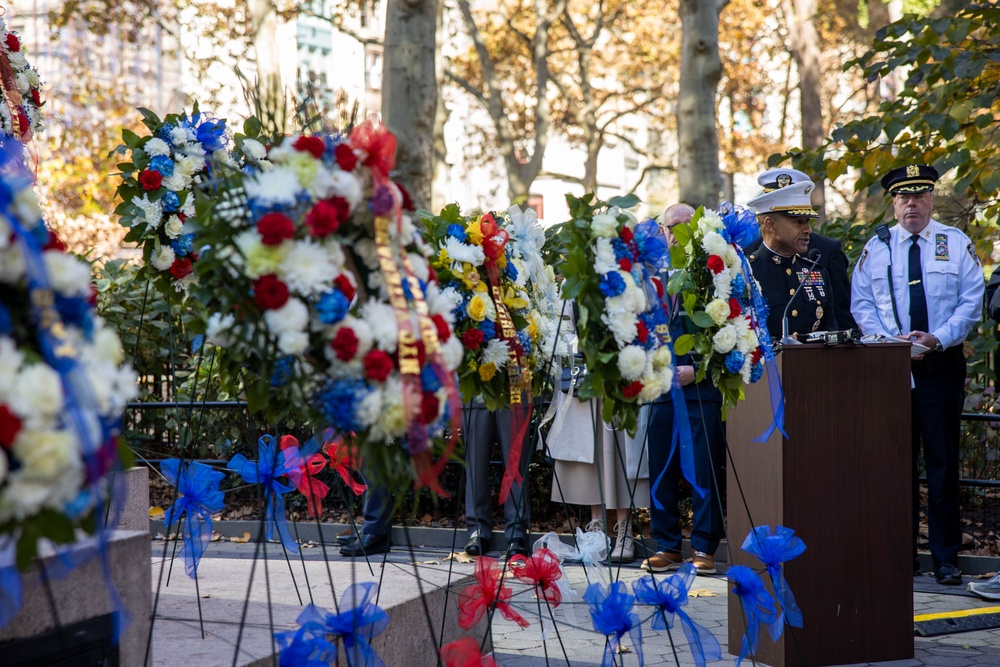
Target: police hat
911	179
780	177
791	200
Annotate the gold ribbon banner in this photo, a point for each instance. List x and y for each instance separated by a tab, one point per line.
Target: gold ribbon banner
409	361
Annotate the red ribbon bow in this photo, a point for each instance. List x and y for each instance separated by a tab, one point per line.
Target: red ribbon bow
342	462
542	570
494	238
304	477
487	592
465	652
378	145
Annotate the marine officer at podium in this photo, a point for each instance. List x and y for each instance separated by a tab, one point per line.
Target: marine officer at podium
780	264
921	281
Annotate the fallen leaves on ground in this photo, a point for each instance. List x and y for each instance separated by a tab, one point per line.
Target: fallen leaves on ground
460	557
702	593
156	513
241	540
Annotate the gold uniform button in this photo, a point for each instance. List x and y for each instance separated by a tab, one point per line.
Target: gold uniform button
795	313
791	291
788	271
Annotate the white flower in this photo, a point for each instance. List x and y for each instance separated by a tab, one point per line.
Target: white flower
10	363
107	346
276	187
365	334
187	208
152	211
452	353
219	329
69	276
369	407
46	453
718	310
723	282
174	227
655	385
463	252
604	224
307	268
714	244
254	149
193	149
747	369
662	357
33	78
710	220
421	269
293	342
382	319
293	316
724	339
443	301
163	258
366	250
180	135
39	392
190	165
178	181
622	325
17	60
322	184
22	83
347	186
391	422
156	146
604	256
631	362
495	353
26	206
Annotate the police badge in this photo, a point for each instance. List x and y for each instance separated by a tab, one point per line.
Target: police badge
783	180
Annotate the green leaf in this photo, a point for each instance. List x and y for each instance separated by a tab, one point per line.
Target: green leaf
625	201
683	344
252	127
702	319
130	138
682	233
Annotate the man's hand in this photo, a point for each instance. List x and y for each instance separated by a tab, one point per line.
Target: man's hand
929	341
685	375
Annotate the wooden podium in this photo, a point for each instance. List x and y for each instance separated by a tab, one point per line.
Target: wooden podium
841	481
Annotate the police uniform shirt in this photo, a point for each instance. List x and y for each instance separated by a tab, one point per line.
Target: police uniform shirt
779	277
952	279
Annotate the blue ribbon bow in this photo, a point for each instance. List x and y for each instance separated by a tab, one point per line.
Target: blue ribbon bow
668	596
739	225
271	464
758	608
653	250
773	549
198	485
612	615
359	621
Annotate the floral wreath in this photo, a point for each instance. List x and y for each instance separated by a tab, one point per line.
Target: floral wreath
322	298
718	293
21	110
607	260
63	381
157	190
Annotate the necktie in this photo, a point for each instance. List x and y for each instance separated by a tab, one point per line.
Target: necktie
918	300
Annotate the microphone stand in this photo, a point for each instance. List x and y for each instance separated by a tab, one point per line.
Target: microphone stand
786	338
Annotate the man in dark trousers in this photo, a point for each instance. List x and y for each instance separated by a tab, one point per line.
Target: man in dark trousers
831	253
780	264
934	299
704	408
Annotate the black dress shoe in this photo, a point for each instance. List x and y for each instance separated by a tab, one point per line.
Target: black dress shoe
948	575
367	545
477	546
517	546
347	537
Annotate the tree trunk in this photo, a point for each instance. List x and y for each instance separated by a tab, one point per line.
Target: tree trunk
697	134
265	42
805	50
410	90
439	182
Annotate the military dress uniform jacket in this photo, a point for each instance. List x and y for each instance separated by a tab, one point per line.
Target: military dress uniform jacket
833	259
952	279
813	308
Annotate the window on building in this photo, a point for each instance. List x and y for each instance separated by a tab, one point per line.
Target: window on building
537	204
373	70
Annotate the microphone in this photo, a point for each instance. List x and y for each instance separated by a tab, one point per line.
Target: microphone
812	257
882	231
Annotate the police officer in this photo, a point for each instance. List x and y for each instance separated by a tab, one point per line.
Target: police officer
934	298
831	258
779	265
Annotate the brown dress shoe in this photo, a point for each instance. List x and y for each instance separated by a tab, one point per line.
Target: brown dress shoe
703	563
662	561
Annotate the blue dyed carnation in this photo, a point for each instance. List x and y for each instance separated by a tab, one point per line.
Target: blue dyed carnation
489	330
525	340
429	379
612	284
212	135
171	202
457	232
756	371
734	362
332	307
164	133
183	245
162	164
284	370
511	269
75	311
622	251
6	322
337	401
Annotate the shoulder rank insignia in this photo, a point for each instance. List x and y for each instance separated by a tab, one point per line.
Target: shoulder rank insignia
941	247
972	251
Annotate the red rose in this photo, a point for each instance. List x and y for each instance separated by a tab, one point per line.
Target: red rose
346	158
345	344
472	339
632	390
407	199
180	268
36	97
150	180
54	243
658	284
345	285
275	228
270	293
757	354
444	331
325	217
429	407
626	234
10	425
642	333
312	145
378	364
734	307
715	264
625	264
13	43
182	217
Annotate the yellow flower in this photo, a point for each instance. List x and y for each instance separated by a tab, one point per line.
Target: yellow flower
513	300
487	371
477	308
532	327
442	257
502	261
474	233
305	166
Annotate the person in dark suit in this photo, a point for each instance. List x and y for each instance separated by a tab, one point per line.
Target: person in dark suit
992	297
831	258
704	407
779	265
